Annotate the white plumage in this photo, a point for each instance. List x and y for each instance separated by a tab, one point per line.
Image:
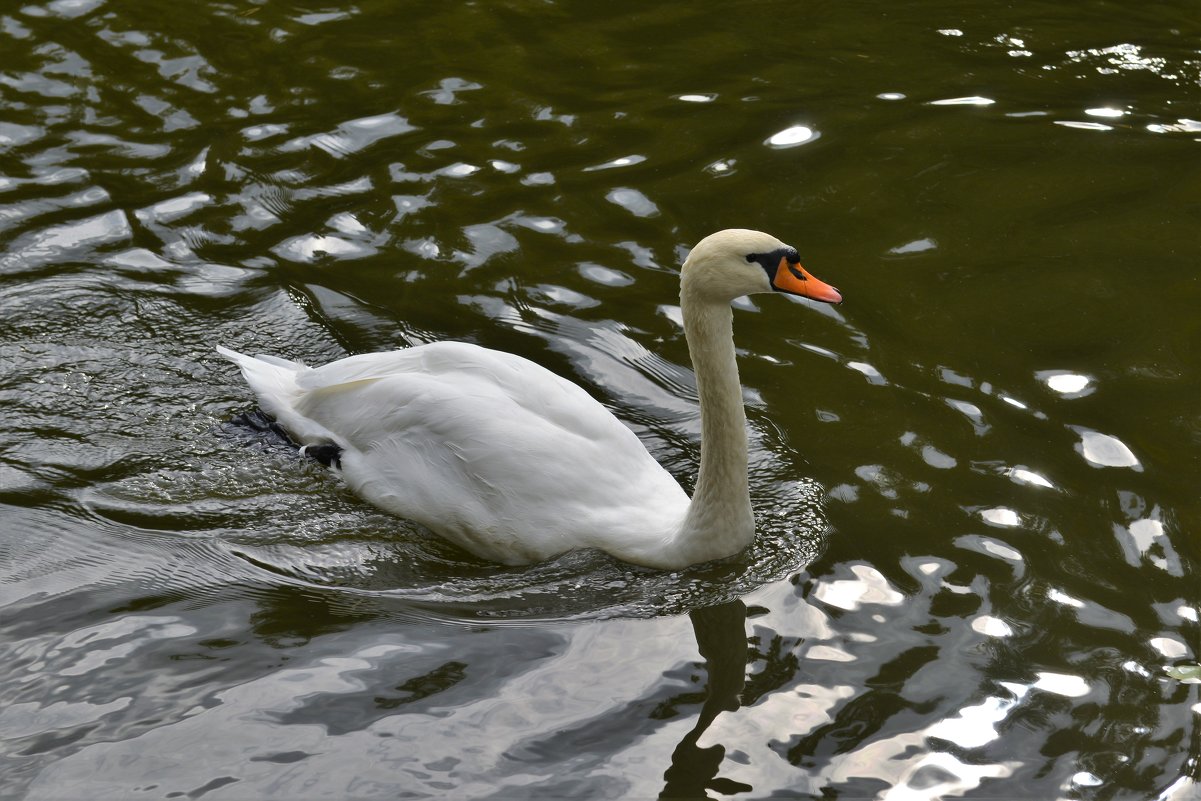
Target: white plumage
516	464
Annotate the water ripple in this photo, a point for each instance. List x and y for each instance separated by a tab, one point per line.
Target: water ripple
994	597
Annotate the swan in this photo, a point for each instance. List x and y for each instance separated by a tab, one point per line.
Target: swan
516	464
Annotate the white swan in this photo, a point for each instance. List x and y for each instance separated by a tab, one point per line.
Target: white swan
517	465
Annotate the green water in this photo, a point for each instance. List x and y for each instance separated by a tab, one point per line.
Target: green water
976	480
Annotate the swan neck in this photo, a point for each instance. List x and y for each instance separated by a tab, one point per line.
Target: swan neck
719	520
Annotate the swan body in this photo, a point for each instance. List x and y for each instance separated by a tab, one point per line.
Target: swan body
516	464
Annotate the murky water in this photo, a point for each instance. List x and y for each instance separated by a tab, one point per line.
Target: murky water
976	573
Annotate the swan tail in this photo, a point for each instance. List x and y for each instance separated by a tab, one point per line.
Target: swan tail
274	382
272	379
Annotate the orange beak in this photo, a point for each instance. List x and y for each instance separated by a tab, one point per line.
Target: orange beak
795	280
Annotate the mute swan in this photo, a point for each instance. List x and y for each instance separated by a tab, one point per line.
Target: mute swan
517	465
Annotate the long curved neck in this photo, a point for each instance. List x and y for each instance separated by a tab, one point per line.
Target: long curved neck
719	521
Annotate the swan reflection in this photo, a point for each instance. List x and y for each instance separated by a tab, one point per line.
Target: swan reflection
721	638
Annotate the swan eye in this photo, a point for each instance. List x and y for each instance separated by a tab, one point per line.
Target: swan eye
770	261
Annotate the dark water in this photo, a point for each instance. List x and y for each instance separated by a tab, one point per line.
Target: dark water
977	567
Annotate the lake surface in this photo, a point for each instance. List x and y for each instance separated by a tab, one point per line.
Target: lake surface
976	481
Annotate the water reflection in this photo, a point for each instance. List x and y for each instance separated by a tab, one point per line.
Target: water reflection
487	709
721	638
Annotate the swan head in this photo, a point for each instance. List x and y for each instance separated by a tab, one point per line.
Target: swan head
737	261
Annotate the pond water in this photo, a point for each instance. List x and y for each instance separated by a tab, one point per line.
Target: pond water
976	481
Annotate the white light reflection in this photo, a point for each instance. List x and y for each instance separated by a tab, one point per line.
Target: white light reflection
915	772
1180	126
672	313
936	458
1084	126
604	275
1071	385
972	100
1104	450
1185	787
999	549
1146	533
353	136
1170	647
1134	667
818	350
60	243
697	98
1064	684
1152	543
623	161
174	208
1104	111
459	170
869	587
970	410
633	201
72	8
1000	516
916	246
1023	476
1017	47
1120	57
991	626
1060	597
346	223
311	247
448	89
940	775
257	133
975	726
871	373
791	137
828	653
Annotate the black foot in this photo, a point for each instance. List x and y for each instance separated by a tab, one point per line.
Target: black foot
259	422
329	455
